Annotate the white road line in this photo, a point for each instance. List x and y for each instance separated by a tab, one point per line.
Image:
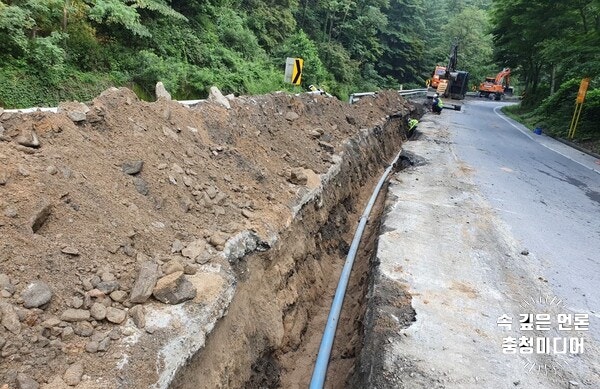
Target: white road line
546	146
509	122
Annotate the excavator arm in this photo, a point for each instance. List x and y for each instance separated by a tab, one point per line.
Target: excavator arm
503	78
452	60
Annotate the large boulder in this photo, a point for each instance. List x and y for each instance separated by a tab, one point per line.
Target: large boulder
161	92
36	294
174	289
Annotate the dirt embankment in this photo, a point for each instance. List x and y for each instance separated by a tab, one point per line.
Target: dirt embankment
271	334
122	224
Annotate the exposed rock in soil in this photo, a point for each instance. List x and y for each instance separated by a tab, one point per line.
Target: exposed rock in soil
145	282
81	215
26	382
174	289
161	92
72	376
36	294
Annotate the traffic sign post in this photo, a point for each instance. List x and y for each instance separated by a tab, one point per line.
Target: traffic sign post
578	107
582	90
293	70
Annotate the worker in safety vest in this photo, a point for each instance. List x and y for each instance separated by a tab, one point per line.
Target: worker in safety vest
412	124
314	90
437	104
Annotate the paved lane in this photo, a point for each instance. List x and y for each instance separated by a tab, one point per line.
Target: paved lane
450	260
547	192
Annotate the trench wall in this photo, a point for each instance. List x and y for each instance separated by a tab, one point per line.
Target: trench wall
279	288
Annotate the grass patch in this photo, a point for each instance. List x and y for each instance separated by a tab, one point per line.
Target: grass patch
517	113
588	140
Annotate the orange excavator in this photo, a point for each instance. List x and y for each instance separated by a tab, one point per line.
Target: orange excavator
447	81
438	73
497	86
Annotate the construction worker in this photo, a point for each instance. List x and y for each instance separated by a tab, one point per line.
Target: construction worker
317	91
437	104
412	124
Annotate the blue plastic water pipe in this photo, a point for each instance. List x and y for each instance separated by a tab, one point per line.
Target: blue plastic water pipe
318	378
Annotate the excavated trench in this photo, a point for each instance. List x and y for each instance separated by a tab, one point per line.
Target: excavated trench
271	334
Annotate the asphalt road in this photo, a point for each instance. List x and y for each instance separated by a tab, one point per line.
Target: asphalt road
491	222
546	192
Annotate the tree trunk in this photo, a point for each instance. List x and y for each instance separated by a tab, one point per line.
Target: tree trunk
65	14
583	20
303	18
536	76
553	81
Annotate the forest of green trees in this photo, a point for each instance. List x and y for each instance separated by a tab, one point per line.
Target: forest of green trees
58	50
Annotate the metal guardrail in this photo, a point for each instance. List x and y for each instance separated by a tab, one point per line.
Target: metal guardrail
353	99
413	92
405	92
55	109
30	110
190	102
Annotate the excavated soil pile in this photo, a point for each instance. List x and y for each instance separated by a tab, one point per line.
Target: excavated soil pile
121	223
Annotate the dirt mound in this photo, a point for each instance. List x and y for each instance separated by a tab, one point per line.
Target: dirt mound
99	202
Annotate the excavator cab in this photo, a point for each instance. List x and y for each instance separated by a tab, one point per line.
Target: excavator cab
438	73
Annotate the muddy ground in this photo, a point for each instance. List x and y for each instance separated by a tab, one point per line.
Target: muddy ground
114	211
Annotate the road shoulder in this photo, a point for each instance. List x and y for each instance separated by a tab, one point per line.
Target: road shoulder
447	268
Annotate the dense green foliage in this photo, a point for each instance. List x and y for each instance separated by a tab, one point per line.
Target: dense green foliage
551	46
555	113
53	50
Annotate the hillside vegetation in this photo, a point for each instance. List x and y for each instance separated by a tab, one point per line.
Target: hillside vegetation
552	45
56	50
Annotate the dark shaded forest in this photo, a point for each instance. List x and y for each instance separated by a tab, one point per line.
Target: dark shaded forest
58	50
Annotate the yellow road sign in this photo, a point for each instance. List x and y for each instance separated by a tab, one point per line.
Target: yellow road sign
293	70
578	107
297	72
582	90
